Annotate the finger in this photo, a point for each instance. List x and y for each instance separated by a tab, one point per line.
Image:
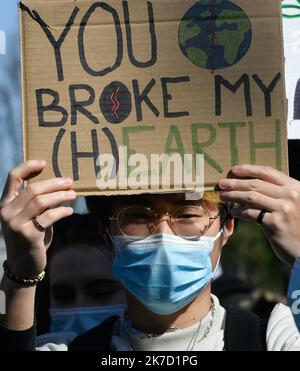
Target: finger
249	214
16	177
38	205
265	173
51	216
255	185
34	190
253	199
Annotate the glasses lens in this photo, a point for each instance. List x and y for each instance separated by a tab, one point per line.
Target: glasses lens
190	221
136	222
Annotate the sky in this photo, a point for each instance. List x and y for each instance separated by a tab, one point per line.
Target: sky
8	15
9	24
8	151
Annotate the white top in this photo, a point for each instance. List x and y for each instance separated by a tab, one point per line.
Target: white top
55	341
282	335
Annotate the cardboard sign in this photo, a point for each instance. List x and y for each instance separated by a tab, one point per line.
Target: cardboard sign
112	90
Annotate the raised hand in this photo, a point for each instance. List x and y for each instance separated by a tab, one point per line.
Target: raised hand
26	244
258	188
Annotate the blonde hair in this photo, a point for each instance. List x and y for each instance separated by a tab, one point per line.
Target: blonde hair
213	197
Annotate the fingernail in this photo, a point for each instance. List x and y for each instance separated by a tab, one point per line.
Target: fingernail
236	169
68	181
71	194
41	163
224	184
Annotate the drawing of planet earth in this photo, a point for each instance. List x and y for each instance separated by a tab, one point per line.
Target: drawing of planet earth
215	34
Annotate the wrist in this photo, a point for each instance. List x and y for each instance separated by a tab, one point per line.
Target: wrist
26	280
19	306
10	287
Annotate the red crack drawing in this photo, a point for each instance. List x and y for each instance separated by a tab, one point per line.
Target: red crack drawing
115	102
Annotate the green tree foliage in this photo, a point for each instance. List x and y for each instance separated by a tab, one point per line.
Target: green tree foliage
249	255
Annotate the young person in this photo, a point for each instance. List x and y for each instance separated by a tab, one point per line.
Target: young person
166	252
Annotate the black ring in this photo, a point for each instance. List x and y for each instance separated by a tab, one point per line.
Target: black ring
260	217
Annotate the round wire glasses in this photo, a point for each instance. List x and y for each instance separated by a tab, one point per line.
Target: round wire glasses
139	222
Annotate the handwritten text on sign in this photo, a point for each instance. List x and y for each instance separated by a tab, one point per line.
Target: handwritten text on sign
116	108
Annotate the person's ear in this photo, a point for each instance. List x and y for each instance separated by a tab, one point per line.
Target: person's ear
228	230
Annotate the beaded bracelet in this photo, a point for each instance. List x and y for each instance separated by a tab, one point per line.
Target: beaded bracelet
23	281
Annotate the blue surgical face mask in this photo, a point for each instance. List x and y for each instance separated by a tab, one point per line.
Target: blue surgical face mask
80	320
164	272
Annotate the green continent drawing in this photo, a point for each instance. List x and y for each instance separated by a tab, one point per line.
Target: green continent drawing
215	34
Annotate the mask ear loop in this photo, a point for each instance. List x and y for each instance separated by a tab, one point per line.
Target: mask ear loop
218	235
215	270
219	259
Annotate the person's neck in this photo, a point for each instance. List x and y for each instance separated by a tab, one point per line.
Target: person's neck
145	321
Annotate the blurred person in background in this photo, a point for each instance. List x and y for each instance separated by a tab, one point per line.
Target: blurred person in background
79	291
